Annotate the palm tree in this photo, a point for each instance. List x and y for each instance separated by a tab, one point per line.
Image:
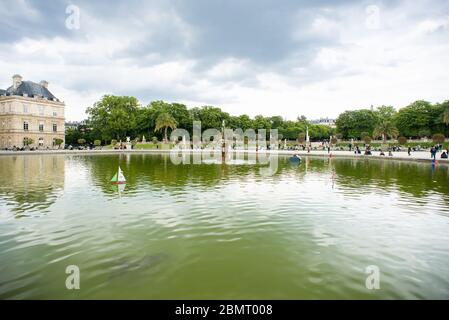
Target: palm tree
385	129
165	121
446	116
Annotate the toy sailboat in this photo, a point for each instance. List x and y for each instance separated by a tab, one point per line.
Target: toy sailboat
118	178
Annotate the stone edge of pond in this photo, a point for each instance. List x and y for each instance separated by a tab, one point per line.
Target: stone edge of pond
334	154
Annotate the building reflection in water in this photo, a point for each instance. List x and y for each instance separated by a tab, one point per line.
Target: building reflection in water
30	183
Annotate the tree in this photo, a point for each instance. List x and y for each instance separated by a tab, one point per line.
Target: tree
165	121
385	113
352	123
58	142
301	137
114	116
27	141
413	118
210	117
446	112
385	129
424	133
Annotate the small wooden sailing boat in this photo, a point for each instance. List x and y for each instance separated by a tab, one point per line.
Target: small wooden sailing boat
118	178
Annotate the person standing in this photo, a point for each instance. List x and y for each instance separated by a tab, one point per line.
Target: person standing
409	151
433	152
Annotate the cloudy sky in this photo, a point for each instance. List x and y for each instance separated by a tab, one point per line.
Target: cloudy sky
246	56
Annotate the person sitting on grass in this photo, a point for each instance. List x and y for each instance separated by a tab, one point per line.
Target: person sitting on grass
444	155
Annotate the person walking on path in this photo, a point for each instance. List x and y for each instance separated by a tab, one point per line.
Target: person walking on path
409	151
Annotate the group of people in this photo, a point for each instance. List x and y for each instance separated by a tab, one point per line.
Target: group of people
435	149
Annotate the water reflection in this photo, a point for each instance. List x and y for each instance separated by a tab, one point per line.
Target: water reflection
30	183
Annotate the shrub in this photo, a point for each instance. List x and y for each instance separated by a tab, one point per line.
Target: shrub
301	138
97	143
438	138
402	140
154	140
27	141
367	139
81	141
113	142
334	140
58	141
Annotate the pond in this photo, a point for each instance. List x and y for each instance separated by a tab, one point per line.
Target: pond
313	230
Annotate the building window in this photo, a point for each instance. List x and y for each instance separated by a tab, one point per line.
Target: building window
41	127
41	110
25	125
25	108
55	127
55	114
41	142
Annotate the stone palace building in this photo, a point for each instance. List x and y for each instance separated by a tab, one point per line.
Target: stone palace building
30	115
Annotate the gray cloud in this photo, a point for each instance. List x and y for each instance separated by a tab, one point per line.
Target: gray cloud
241	55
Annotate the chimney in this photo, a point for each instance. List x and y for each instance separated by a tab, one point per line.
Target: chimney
44	83
16	81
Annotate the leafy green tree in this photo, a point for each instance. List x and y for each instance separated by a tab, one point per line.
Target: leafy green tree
58	142
210	117
424	133
385	113
72	136
165	121
114	116
243	122
276	122
411	119
352	123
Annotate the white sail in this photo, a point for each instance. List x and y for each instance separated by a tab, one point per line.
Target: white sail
120	176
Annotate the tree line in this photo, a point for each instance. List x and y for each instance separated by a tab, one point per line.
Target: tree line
118	117
417	120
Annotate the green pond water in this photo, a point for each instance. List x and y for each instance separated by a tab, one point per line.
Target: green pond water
213	231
